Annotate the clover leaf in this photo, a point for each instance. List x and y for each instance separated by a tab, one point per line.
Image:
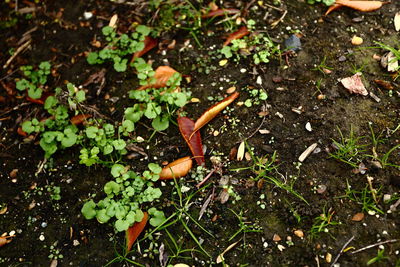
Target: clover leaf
158	217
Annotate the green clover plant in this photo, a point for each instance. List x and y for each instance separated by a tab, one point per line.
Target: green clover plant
119	46
126	197
34	79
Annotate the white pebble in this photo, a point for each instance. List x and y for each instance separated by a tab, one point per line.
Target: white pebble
41	237
11	232
87	15
308	126
243	70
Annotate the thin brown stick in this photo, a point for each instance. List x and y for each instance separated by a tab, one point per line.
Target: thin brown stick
375	245
19	50
341	251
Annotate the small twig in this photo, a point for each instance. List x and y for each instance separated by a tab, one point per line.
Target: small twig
227	19
373	191
206	178
14	108
341	251
275	23
394	206
40	166
19	50
273	7
375	245
206	203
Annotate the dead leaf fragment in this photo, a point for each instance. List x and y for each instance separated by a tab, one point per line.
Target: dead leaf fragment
384	84
221	12
307	152
134	231
79	119
354	84
193	139
149	43
299	233
243	31
176	169
113	21
161	76
13	173
397	21
213	111
364	6
358	217
276	238
220	257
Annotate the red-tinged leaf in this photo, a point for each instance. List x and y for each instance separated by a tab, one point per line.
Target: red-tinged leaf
41	100
220	12
176	169
193	140
134	231
213	111
332	8
243	31
149	43
79	119
364	6
161	75
21	132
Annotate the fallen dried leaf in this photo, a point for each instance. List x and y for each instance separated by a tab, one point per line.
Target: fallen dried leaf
220	257
13	173
384	84
354	84
21	132
193	140
176	169
161	76
332	8
276	238
364	6
358	217
213	111
79	119
243	31
149	43
221	12
134	231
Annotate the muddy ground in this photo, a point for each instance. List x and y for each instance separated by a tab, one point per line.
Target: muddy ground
284	221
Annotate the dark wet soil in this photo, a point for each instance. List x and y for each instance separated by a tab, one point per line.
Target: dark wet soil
62	36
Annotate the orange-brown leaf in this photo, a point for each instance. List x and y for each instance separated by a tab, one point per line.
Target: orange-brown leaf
332	8
149	43
221	12
134	231
161	75
213	111
193	140
79	119
364	6
243	31
358	217
21	132
176	169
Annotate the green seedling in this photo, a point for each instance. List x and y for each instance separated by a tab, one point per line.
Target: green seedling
244	227
119	46
323	223
348	149
322	67
366	198
257	96
125	198
56	132
35	79
258	46
378	258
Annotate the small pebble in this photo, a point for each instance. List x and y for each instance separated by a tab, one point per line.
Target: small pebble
281	248
356	40
87	15
41	237
11	232
259	80
265	245
230	90
44	224
328	257
243	70
308	126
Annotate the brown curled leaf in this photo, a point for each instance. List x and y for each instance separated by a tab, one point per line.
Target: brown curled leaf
213	111
384	84
243	31
332	8
161	76
364	6
22	132
220	12
79	119
176	169
149	43
134	231
193	140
